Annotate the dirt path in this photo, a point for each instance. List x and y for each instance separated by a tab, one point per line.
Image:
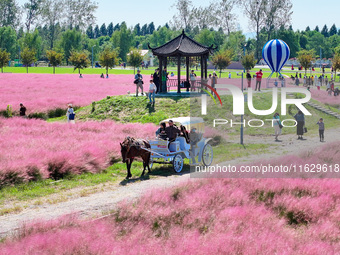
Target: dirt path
288	144
94	205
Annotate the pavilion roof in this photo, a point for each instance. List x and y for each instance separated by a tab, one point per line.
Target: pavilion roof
182	45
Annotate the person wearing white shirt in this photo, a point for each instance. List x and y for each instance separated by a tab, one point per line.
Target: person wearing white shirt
152	91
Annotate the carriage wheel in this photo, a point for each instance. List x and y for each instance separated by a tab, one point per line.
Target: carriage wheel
207	155
177	163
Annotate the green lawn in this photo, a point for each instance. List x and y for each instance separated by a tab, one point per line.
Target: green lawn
135	109
129	70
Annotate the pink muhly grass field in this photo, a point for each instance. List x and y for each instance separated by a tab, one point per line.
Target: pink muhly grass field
43	92
28	147
207	216
323	97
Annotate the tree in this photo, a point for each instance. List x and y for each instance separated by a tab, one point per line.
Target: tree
303	41
278	14
324	31
80	13
315	40
151	28
116	27
28	57
4	59
52	12
333	30
79	60
136	30
268	15
255	11
248	61
122	39
317	29
337	50
135	59
8	40
184	18
291	38
144	29
222	60
9	13
336	63
305	58
89	32
108	59
307	29
235	42
103	30
33	41
55	58
205	37
225	16
70	41
96	32
203	17
110	29
33	9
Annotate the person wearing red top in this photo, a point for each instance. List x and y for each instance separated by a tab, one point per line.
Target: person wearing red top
259	75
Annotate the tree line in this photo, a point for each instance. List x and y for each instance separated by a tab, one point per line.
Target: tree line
67	26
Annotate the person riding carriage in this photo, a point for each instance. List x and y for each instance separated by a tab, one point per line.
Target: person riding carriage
178	145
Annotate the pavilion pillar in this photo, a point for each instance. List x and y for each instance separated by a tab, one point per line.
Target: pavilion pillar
179	74
202	68
206	67
165	63
160	74
187	64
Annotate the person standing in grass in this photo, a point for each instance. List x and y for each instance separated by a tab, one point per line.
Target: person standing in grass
164	80
321	129
300	118
192	80
248	76
152	91
22	110
155	78
70	114
214	80
259	75
277	126
139	82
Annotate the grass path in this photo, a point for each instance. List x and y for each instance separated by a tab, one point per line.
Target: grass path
100	199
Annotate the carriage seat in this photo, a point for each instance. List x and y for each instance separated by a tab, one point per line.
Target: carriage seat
183	145
174	146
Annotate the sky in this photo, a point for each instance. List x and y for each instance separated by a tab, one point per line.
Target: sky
305	12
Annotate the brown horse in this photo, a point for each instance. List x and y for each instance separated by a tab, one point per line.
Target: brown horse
131	148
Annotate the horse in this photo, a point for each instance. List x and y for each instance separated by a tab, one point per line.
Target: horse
131	148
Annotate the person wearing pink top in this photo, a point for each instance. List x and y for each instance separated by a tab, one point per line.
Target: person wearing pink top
259	75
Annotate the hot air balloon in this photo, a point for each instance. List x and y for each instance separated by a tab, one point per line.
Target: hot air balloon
275	53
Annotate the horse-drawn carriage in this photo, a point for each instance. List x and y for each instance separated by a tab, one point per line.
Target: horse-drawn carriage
181	148
160	151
